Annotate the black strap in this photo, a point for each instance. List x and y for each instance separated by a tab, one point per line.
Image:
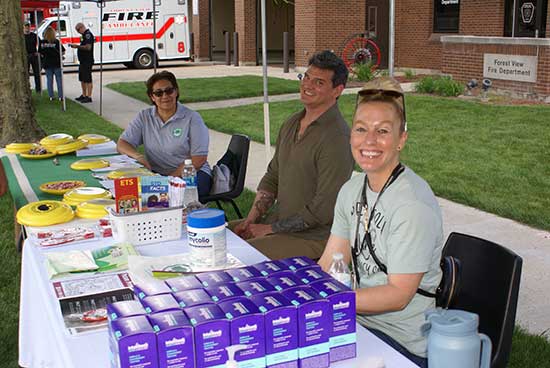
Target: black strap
367	239
398	170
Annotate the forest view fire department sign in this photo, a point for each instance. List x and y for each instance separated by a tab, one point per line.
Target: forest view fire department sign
519	68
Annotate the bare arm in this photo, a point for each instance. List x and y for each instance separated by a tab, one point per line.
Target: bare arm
335	244
262	203
198	161
393	296
125	148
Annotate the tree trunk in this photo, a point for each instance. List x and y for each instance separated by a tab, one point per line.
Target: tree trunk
17	121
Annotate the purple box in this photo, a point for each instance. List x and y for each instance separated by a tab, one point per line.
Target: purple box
212	334
284	280
256	286
314	326
247	328
298	263
268	268
133	343
183	283
191	298
243	273
159	303
312	274
174	339
126	308
343	338
151	288
281	330
214	278
224	292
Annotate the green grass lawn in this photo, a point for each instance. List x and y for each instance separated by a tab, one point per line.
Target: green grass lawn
216	88
481	153
494	158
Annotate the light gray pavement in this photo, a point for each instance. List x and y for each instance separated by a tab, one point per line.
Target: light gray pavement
531	244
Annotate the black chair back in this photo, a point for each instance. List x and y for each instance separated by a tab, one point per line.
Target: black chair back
239	146
489	287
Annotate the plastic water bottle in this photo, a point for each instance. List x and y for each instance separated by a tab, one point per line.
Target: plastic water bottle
189	175
339	270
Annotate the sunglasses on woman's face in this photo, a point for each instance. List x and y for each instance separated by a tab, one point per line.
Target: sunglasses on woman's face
160	92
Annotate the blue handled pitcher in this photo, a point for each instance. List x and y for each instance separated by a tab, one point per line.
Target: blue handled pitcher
453	340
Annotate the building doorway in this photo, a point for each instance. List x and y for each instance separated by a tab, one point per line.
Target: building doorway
525	18
377	26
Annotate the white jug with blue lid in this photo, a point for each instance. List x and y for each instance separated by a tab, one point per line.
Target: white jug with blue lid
453	340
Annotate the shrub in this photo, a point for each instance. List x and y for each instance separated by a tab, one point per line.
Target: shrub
363	72
425	85
409	74
448	87
443	86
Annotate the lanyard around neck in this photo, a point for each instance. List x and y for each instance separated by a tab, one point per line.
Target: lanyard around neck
363	206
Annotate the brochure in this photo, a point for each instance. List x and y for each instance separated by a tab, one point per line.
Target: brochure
83	301
106	259
127	195
143	269
154	192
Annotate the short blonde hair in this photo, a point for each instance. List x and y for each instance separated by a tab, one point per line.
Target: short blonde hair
386	90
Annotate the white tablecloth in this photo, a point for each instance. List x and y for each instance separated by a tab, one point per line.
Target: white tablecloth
44	342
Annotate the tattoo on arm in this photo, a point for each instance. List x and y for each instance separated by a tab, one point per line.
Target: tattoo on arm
264	201
290	224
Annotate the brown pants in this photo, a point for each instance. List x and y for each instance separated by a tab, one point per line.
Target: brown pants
279	246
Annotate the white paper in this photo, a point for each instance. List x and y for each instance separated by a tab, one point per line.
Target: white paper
107	148
141	267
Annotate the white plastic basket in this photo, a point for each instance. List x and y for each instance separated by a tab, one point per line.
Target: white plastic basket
147	227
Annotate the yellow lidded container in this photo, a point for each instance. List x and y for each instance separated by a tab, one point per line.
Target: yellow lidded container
129	173
44	213
70	147
89	163
94	208
56	139
19	147
94	138
78	195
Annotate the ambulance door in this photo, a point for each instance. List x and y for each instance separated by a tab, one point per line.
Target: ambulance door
176	36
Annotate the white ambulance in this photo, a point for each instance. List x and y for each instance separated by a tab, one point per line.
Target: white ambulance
127	30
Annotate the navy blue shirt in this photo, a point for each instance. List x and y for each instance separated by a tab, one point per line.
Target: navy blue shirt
86	56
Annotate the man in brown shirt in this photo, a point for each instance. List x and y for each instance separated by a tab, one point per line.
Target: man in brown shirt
294	206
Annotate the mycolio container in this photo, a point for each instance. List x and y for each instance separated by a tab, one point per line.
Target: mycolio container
206	237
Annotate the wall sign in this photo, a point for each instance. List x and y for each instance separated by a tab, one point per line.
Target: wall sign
519	68
195	7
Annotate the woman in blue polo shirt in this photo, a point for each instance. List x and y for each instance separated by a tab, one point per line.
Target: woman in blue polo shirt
170	133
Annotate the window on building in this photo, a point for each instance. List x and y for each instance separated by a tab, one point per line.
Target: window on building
446	16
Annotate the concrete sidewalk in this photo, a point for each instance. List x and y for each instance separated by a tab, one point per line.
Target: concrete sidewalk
531	244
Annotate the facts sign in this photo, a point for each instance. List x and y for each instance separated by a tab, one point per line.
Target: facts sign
519	68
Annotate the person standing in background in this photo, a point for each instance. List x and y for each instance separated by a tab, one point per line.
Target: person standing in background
85	54
31	46
50	49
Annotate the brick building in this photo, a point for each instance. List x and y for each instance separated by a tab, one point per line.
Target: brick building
505	40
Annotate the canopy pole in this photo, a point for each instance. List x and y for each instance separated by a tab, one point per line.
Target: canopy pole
392	38
63	103
267	140
101	58
155	35
37	54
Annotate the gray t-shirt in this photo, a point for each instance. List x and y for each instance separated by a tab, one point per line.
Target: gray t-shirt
407	236
167	145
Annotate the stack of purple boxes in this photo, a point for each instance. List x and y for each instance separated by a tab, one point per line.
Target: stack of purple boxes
283	314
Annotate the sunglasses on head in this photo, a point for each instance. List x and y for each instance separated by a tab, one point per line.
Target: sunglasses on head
160	92
364	95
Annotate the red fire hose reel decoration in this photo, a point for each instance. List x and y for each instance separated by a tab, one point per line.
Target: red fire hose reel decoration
359	49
